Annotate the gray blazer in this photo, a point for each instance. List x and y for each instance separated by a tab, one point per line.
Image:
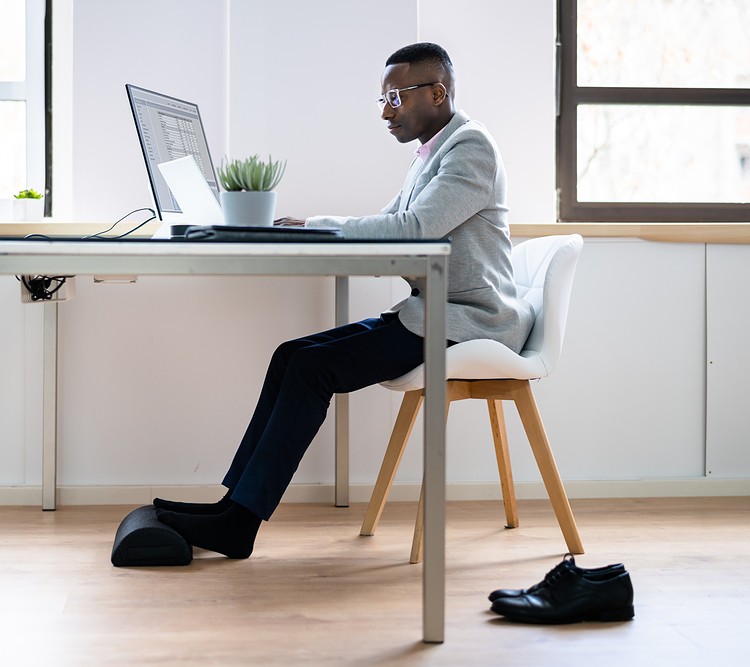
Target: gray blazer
458	193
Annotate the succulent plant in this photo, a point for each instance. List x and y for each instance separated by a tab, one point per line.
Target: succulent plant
28	194
250	174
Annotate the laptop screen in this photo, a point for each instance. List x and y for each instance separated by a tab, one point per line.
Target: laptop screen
168	129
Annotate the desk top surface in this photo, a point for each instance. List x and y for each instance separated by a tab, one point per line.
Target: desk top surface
150	248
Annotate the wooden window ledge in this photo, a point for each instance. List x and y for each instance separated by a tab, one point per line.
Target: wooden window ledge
717	232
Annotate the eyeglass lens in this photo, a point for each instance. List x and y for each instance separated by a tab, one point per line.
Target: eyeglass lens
390	97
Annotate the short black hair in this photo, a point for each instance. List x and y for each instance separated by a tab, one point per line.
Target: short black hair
422	52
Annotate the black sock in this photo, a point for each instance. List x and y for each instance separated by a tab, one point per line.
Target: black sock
231	533
194	508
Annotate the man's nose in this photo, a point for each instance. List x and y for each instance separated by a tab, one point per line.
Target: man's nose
387	112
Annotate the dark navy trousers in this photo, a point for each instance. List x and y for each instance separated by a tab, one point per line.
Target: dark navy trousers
302	377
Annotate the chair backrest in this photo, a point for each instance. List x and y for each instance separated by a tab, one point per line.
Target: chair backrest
543	269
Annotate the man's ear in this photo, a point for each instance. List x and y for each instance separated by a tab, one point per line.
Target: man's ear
439	93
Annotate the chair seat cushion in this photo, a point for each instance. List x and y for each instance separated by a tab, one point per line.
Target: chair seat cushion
478	360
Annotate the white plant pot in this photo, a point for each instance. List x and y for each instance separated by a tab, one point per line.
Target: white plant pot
248	209
28	210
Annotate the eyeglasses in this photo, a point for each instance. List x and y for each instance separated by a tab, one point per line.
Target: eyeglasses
393	96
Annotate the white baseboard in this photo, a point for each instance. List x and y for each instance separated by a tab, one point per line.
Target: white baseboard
360	493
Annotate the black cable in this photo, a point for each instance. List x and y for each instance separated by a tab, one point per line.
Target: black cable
98	235
122	236
39	286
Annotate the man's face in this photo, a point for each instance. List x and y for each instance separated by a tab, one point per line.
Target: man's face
417	115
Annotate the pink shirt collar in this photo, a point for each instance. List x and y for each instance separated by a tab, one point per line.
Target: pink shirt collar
423	152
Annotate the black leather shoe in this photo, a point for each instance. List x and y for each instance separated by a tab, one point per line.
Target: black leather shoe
569	597
593	573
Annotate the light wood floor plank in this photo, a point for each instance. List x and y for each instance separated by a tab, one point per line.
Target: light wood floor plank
317	593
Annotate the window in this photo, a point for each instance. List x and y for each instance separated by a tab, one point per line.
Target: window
22	84
654	110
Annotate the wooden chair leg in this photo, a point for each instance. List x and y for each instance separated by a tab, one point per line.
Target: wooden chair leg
407	416
532	423
500	438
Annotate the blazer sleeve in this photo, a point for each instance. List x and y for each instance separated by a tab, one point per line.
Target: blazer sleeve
457	183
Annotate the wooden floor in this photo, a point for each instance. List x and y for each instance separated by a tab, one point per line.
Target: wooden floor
315	593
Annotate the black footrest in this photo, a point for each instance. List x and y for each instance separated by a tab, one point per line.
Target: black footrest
143	540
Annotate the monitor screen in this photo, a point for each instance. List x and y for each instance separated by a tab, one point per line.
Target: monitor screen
168	129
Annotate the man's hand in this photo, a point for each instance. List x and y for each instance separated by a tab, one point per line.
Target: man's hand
288	222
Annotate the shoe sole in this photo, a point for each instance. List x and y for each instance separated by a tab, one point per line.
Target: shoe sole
604	616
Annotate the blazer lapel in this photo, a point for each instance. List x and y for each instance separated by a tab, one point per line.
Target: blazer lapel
459	118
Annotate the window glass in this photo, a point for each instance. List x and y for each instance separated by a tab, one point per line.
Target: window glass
664	43
657	153
12	40
12	147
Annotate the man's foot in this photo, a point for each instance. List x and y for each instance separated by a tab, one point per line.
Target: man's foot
195	508
231	533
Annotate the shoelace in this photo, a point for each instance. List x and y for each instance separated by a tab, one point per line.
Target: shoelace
557	572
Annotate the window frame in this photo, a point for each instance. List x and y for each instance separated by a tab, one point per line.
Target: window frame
32	91
570	96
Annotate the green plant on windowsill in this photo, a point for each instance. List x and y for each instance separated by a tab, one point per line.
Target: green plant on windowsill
28	194
251	174
28	206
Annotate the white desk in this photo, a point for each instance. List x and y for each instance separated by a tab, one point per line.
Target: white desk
340	259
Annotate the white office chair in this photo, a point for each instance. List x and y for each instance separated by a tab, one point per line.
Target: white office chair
544	269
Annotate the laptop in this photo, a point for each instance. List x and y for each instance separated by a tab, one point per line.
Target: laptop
197	202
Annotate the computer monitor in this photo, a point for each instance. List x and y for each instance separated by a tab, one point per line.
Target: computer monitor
168	129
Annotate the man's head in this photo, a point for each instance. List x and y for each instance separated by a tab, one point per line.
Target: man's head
418	90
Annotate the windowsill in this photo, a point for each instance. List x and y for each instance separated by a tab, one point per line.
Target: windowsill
73	229
715	232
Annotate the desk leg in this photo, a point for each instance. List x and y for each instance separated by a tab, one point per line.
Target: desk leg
433	572
342	406
49	409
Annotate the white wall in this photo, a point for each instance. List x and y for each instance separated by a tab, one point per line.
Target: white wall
158	378
304	77
20	388
175	47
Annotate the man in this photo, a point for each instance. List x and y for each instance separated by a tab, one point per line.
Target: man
455	187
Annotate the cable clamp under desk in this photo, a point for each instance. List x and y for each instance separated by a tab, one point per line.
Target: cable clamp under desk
47	289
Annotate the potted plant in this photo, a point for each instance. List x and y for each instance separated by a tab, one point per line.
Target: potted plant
249	199
28	206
